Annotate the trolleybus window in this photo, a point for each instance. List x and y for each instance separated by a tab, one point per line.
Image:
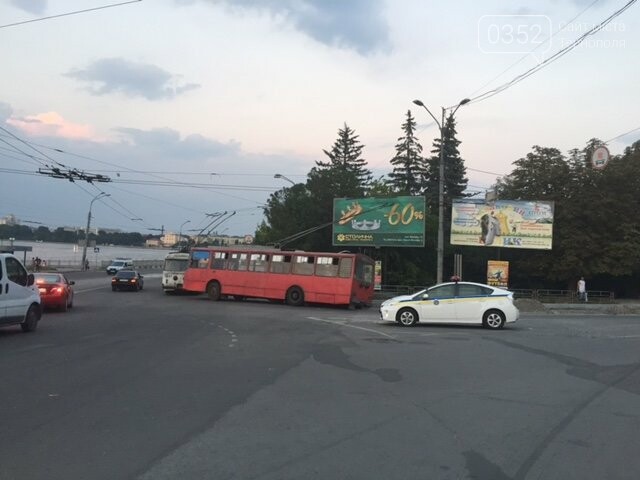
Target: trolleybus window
281	264
303	265
327	266
258	262
237	261
219	260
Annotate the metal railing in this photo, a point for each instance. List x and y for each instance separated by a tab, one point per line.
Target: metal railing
563	296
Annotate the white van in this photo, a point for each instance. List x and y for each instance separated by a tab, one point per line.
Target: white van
19	297
118	264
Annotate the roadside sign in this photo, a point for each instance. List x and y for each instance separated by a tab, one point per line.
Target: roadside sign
600	157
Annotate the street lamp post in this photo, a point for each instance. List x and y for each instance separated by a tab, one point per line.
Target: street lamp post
86	232
180	234
279	175
441	126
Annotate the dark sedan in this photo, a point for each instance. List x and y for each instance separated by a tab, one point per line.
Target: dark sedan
127	280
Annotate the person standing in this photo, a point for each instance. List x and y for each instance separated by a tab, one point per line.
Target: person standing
582	289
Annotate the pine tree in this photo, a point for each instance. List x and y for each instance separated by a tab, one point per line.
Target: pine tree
455	181
346	167
409	167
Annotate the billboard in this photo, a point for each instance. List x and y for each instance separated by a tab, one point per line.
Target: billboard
379	221
498	273
503	223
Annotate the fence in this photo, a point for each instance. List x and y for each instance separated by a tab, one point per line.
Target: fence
542	295
564	296
67	265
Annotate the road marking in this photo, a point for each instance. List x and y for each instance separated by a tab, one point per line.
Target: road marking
234	337
352	326
90	289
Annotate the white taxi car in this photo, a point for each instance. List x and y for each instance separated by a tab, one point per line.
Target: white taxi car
453	302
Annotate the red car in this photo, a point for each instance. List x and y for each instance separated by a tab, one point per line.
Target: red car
56	291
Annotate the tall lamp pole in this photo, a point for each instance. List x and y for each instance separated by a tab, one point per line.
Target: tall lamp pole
86	232
279	175
180	234
441	126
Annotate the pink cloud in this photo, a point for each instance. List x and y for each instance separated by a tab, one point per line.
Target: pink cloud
52	124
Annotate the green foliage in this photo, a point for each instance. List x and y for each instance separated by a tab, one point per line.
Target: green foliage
455	181
596	227
23	232
409	167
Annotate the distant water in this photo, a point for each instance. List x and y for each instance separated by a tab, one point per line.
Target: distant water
71	254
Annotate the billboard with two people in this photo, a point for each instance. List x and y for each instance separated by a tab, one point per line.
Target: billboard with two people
502	223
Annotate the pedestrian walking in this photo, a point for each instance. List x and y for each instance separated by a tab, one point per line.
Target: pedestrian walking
582	290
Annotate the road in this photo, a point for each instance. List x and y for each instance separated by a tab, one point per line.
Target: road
147	386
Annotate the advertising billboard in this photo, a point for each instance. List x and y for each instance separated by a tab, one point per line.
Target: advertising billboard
379	221
498	273
503	223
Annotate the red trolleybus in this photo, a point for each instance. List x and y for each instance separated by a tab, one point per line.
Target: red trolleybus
295	277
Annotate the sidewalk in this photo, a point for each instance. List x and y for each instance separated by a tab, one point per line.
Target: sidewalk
619	307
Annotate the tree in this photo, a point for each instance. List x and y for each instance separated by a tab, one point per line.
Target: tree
409	167
455	181
346	167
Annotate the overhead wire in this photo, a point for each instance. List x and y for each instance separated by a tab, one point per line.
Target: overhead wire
526	55
559	54
76	12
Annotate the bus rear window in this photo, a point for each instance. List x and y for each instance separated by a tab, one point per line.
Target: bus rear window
346	265
199	259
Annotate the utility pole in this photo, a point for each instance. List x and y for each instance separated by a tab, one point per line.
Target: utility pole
441	126
86	232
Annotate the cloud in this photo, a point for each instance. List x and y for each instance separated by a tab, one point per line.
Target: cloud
171	145
117	75
36	7
357	24
51	124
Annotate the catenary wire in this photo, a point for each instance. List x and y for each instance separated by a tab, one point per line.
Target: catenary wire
77	12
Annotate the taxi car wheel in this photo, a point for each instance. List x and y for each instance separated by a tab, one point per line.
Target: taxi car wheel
407	317
213	290
31	321
493	319
65	305
113	289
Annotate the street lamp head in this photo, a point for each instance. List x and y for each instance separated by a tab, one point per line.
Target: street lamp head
419	103
277	175
464	101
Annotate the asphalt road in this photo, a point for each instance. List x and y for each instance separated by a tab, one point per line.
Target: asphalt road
146	386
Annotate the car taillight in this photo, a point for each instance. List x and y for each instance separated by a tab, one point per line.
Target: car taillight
133	280
113	280
57	290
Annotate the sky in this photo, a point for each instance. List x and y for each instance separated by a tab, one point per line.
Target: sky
191	107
